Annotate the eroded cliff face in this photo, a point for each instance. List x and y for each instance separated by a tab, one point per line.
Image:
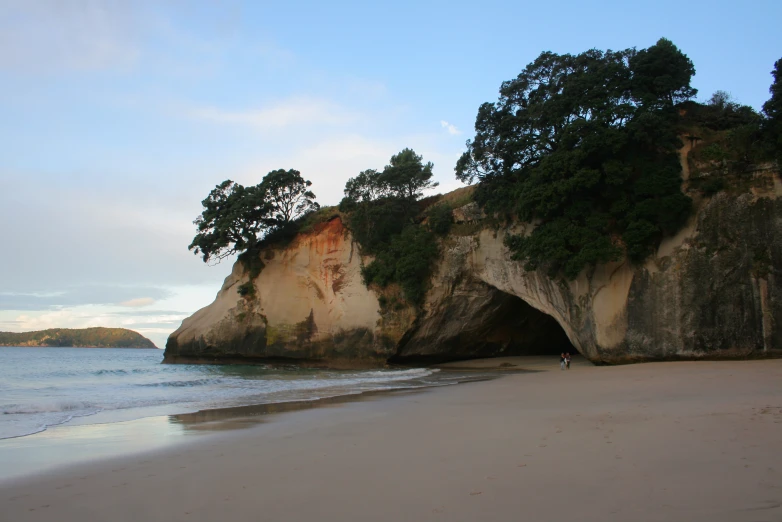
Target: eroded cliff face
309	305
712	291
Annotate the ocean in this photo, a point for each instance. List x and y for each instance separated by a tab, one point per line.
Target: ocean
42	388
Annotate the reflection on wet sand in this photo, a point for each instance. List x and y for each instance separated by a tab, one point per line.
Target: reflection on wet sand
221	419
240	417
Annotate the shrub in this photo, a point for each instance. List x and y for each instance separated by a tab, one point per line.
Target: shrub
440	218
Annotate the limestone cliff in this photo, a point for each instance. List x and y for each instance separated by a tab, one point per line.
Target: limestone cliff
309	304
711	291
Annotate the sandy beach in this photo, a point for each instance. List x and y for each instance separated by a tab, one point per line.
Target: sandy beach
688	441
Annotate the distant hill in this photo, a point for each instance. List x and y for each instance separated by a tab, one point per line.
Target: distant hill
78	338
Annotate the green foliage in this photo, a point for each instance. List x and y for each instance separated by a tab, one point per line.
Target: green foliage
308	221
714	152
375	223
722	113
736	136
288	195
235	218
440	218
253	265
406	260
661	74
586	146
367	186
78	337
730	136
407	176
246	289
773	111
382	210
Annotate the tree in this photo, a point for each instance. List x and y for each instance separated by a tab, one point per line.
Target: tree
289	196
236	218
585	146
554	102
383	219
662	74
233	220
773	111
721	100
407	176
367	186
773	107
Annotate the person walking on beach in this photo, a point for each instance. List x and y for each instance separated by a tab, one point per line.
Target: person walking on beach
567	360
561	361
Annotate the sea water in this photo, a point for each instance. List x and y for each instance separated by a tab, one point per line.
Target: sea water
45	387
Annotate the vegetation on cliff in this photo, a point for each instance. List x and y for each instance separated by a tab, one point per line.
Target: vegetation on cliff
773	111
585	146
236	218
731	141
78	338
384	214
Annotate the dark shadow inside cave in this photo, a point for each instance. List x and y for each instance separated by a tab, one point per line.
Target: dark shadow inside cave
486	323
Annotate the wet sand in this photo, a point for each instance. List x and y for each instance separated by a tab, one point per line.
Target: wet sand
689	441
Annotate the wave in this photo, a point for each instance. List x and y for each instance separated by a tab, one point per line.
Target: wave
49	392
110	372
48	407
135	371
179	384
395	375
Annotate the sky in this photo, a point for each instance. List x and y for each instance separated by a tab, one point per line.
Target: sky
117	118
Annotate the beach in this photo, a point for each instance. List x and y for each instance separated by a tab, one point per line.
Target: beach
689	441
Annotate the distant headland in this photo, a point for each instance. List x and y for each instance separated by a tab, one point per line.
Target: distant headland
78	338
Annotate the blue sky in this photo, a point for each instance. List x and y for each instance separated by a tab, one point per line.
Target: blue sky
118	118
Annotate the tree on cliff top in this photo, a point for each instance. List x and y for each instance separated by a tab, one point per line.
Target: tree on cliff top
585	146
289	195
405	178
236	218
773	110
382	214
233	220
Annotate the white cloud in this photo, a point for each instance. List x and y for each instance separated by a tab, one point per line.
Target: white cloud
56	319
138	302
156	323
329	163
299	111
450	128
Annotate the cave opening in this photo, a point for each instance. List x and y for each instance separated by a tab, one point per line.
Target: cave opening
485	323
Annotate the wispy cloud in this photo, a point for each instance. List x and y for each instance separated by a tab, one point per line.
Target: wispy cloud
82	295
450	128
287	113
138	302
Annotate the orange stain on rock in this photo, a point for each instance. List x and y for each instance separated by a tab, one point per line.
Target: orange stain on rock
324	240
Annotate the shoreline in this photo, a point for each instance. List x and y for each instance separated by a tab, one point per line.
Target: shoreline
111	438
695	441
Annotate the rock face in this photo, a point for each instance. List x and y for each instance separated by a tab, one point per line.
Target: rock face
712	291
309	305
